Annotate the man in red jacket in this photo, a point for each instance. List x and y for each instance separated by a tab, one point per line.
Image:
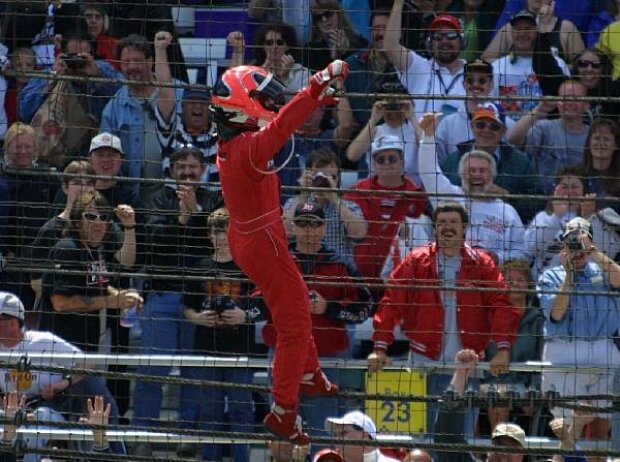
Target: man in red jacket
439	309
252	131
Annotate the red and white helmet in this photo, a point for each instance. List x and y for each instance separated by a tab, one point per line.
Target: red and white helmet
245	97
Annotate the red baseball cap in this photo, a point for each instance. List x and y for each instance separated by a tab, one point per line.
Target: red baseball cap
445	20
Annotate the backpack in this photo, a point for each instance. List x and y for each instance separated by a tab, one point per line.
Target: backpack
63	127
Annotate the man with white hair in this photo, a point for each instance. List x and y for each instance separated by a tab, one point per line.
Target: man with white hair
495	226
356	426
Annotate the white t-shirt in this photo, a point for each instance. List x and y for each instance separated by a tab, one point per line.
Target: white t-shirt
427	77
514	76
493	225
33	382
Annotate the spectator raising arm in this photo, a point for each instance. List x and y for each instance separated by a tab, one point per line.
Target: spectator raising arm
397	54
236	41
166	102
360	145
126	255
517	135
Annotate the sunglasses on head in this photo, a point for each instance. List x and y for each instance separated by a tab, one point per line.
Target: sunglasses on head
482	124
584	63
105	217
324	15
388	159
311	222
479	80
437	36
270	42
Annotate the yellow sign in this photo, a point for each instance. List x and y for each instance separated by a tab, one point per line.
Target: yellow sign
397	416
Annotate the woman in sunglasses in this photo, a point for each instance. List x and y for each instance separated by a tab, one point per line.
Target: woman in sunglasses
332	35
83	305
591	67
276	50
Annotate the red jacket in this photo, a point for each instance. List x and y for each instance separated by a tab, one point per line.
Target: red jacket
482	316
370	254
347	300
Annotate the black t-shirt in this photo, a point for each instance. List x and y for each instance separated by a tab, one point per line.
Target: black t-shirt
97	272
51	233
213	295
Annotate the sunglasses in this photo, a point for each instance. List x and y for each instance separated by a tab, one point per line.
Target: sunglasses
104	217
324	15
312	223
388	159
493	126
584	63
479	80
437	36
270	42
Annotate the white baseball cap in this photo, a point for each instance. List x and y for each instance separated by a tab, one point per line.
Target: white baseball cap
356	418
385	142
11	305
106	140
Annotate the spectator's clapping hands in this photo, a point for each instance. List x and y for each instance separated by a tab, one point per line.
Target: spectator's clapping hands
187	202
207	318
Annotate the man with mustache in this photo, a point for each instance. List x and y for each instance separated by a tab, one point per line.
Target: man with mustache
439	318
176	240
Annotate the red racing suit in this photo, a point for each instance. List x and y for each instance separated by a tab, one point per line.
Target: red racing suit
481	315
259	245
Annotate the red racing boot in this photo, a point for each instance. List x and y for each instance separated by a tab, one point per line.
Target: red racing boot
317	384
286	424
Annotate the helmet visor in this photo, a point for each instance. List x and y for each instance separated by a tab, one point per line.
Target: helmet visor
269	92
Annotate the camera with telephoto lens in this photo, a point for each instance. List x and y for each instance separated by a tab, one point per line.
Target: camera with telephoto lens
575	242
221	303
74	61
321	180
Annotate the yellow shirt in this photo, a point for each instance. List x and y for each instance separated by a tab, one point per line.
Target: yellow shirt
609	43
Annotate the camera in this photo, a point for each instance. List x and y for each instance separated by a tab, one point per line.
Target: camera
221	303
392	106
74	61
321	180
575	242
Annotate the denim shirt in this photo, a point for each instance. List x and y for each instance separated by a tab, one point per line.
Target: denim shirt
592	312
125	116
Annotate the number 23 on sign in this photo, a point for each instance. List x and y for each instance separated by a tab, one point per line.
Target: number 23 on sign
397	416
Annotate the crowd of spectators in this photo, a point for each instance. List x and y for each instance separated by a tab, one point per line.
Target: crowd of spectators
110	204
